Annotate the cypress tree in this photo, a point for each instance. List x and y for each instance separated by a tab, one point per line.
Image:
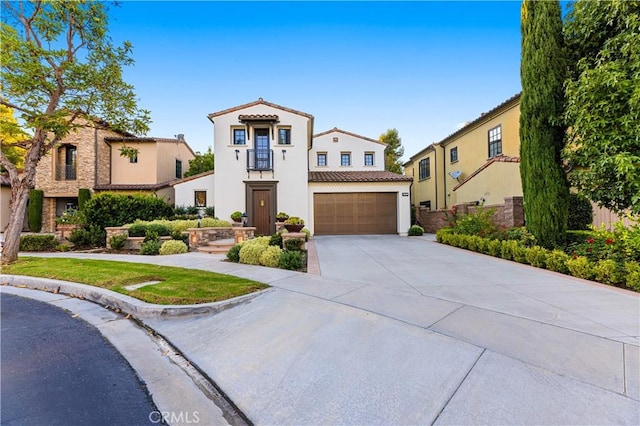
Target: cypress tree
542	71
34	215
84	195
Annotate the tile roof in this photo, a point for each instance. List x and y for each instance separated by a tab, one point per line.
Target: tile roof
190	178
148	139
260	101
358	176
335	129
258	117
133	186
497	159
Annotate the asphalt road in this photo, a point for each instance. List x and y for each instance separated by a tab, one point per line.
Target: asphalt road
59	370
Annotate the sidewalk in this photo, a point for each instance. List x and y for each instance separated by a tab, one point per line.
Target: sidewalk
406	331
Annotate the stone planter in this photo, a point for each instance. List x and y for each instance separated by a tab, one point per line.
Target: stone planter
293	228
64	230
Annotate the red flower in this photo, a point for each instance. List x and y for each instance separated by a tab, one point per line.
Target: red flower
609	241
591	240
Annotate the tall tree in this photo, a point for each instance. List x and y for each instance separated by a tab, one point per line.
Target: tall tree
201	163
603	102
393	152
12	137
542	71
58	66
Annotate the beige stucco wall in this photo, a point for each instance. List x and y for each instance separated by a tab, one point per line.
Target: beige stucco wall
404	202
145	171
290	171
431	188
346	143
168	153
494	183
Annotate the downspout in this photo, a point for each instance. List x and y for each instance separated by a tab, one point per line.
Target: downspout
95	149
435	173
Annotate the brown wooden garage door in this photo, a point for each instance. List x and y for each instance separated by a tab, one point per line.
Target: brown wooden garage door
355	213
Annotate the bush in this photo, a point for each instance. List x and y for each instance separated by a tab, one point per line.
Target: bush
234	253
415	231
38	242
580	267
117	241
536	256
138	230
179	236
250	253
210	212
480	222
271	256
520	254
508	248
179	210
236	216
151	247
34	213
173	247
557	261
293	244
633	275
109	209
72	216
193	210
609	272
276	239
580	212
93	236
63	247
84	195
578	237
291	260
522	236
494	247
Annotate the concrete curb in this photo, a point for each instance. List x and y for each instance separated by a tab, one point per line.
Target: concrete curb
122	302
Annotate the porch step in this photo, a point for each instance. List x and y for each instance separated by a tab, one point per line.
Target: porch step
217	247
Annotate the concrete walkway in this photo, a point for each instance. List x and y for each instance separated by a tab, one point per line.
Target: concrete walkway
401	330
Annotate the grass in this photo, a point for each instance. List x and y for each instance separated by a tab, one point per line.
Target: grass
179	286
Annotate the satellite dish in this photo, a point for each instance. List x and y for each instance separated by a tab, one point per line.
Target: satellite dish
455	174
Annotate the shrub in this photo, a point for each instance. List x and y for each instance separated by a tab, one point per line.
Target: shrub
63	247
293	244
109	209
521	235
483	245
34	213
161	229
282	216
633	275
138	230
179	236
415	231
520	254
494	247
307	233
151	247
93	236
472	242
291	260
463	241
210	212
193	210
480	222
580	212
507	249
173	247
271	256
556	261
117	241
179	210
236	216
250	253
536	256
276	239
580	267
294	220
72	216
608	271
38	242
577	237
234	253
84	195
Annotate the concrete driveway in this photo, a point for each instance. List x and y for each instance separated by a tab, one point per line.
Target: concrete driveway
401	330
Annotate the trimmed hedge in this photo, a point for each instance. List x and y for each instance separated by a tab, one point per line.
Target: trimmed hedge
34	215
173	247
84	195
38	242
415	231
109	209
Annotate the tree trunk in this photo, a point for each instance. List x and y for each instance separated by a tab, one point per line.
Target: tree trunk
19	197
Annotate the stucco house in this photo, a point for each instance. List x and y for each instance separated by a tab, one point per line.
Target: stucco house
479	163
268	160
90	158
196	190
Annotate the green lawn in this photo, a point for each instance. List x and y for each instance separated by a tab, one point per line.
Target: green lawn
179	286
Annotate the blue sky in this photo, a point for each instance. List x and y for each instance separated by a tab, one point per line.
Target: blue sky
365	67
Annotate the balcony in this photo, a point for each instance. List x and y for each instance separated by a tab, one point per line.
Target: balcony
259	159
65	172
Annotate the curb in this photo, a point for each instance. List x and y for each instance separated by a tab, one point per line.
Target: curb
122	302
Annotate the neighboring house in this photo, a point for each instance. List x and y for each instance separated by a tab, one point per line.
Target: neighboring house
267	160
90	158
477	164
196	190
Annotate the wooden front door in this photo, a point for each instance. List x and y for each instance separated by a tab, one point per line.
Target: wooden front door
262	211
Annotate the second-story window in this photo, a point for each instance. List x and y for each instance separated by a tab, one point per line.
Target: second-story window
345	159
424	168
495	141
284	136
66	166
322	159
134	158
178	169
368	159
239	137
453	154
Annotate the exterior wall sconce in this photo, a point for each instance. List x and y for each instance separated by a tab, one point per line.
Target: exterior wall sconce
284	151
237	153
244	219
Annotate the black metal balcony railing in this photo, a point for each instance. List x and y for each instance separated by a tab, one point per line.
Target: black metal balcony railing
259	159
65	172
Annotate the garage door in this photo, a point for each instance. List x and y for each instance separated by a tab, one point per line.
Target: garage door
355	213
